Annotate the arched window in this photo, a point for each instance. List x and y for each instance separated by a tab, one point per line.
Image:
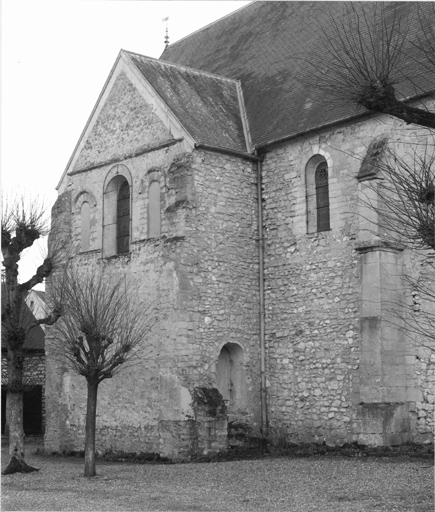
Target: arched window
317	188
85	226
154	220
117	212
85	211
322	196
123	219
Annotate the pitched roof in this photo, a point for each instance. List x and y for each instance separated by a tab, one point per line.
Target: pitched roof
206	105
40	294
264	43
36	338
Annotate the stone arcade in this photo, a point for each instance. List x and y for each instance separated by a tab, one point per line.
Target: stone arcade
176	146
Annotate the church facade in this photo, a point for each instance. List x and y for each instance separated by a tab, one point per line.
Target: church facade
233	194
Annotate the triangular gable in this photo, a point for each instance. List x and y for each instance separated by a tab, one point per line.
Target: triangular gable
133	105
146	102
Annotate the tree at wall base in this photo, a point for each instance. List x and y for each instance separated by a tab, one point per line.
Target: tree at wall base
104	328
23	223
17	464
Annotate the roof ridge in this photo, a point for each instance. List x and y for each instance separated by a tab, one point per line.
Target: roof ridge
210	24
187	68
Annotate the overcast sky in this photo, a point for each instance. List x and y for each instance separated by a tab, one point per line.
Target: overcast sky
56	56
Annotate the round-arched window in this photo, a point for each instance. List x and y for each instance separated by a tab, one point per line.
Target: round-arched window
322	196
123	218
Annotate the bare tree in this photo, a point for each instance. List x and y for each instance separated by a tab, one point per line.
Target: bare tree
23	223
103	327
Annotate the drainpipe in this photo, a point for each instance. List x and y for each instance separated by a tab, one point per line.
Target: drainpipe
262	314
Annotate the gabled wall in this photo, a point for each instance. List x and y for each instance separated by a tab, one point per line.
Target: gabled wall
200	274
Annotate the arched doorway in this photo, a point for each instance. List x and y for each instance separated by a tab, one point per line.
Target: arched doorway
231	377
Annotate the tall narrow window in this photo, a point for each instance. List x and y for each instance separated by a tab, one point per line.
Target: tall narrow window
85	225
117	212
317	176
123	219
322	196
154	210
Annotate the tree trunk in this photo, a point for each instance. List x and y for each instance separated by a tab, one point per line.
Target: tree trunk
411	114
91	417
17	463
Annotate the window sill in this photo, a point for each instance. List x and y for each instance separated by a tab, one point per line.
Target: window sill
90	251
118	256
317	233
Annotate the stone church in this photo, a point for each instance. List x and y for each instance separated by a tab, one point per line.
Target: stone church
230	190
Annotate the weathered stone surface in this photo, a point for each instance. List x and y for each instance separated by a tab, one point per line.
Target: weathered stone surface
126	124
202	277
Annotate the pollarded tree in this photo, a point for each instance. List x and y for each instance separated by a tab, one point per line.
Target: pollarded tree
23	223
104	326
379	56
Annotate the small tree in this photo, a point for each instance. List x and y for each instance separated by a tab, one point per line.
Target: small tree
104	324
23	223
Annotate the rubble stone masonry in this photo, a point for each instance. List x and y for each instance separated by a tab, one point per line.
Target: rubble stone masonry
329	374
200	275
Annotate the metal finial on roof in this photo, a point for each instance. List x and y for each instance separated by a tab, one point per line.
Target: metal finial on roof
166	36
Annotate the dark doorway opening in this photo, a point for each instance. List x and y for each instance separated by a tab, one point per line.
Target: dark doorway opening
4	395
32	411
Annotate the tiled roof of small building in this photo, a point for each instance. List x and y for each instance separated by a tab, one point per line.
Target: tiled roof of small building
264	43
207	106
36	337
40	294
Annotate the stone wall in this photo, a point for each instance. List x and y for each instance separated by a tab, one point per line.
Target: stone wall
34	369
322	364
201	275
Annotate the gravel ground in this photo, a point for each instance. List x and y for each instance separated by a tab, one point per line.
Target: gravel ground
323	484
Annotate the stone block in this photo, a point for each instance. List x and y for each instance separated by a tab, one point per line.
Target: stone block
380	423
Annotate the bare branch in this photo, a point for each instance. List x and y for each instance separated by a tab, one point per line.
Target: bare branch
103	322
376	58
406	206
42	272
